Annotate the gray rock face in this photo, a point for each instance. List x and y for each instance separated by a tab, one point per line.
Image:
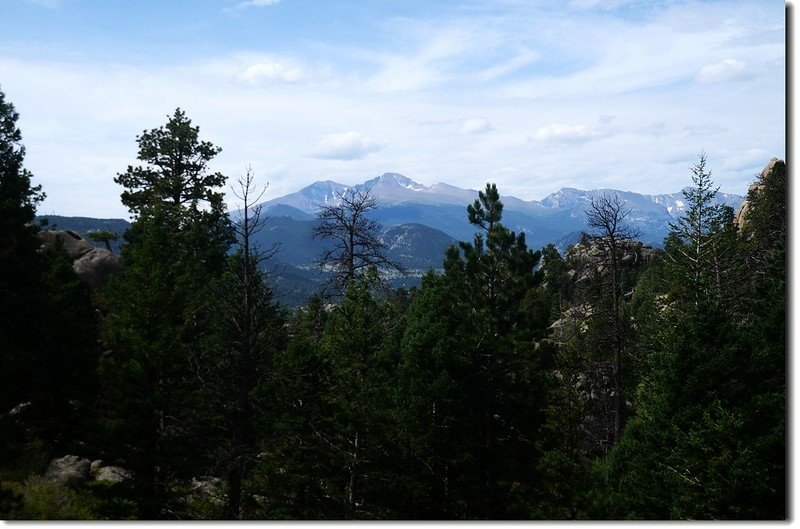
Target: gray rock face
741	214
112	474
96	267
74	244
96	464
68	470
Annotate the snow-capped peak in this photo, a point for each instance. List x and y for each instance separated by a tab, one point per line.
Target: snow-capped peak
394	180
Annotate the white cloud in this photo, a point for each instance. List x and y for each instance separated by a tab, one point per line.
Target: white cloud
256	3
558	133
475	126
513	64
722	72
345	146
271	71
454	68
433	60
752	159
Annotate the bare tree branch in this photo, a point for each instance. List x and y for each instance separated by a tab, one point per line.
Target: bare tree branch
356	242
606	216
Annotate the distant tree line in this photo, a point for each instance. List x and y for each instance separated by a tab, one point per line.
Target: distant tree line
494	390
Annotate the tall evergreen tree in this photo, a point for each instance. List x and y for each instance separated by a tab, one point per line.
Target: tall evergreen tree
700	242
20	266
176	247
329	454
486	362
439	407
357	430
708	440
48	348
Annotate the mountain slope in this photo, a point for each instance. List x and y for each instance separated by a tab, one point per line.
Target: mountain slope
421	222
443	206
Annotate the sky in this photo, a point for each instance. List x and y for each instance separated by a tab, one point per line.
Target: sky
533	95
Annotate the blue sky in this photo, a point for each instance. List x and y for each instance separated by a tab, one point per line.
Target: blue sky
531	95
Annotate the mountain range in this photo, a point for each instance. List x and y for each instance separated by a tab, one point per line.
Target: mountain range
421	222
560	215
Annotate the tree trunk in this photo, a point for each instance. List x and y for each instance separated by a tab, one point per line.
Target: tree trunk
616	329
351	486
233	508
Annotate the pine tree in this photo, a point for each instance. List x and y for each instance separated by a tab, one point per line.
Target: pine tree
708	440
20	266
699	243
355	398
480	385
176	247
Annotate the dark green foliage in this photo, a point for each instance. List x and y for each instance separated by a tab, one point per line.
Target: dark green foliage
47	328
699	245
357	423
460	399
708	441
63	381
106	237
438	407
289	476
158	322
566	455
329	455
470	377
20	266
41	499
18	198
709	438
175	171
236	375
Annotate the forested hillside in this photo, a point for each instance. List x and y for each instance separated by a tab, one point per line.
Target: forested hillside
615	381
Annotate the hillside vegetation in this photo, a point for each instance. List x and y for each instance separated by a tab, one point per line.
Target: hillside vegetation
613	380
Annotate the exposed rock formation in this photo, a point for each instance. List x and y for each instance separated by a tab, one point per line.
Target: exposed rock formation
74	245
68	470
741	215
97	267
587	258
75	470
109	474
94	266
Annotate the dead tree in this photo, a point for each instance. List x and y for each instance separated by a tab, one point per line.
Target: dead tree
246	303
355	237
606	218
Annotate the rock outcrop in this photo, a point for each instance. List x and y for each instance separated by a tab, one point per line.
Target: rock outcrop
94	266
97	267
109	474
75	470
74	245
741	214
69	470
586	259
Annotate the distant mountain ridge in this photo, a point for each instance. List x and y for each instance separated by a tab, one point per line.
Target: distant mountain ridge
421	222
394	188
441	206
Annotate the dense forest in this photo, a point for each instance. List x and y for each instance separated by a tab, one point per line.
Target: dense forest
616	381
